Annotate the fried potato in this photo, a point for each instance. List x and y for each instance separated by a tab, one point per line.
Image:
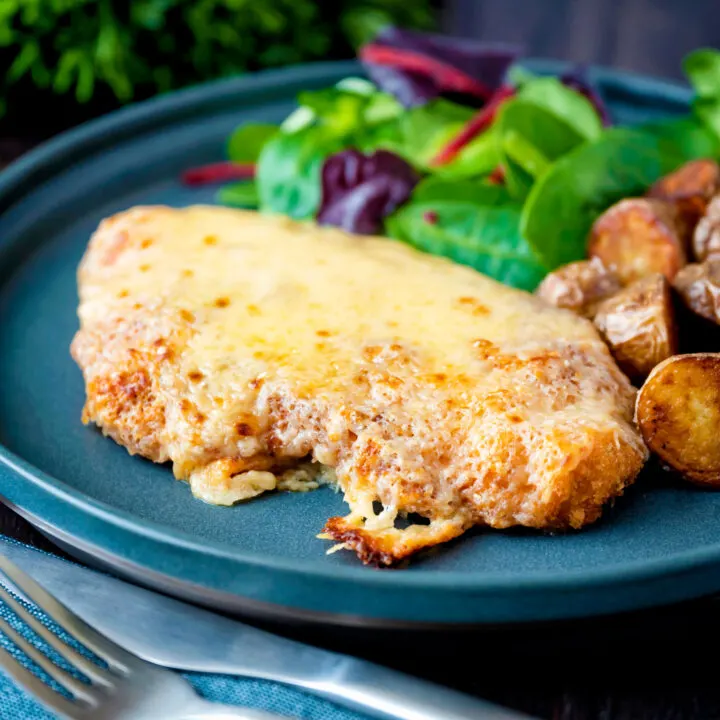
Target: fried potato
698	284
689	189
638	237
678	413
706	239
638	324
579	286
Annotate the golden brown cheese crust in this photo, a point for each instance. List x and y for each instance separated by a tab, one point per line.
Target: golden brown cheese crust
237	345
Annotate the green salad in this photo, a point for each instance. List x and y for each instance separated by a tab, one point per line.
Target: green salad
459	151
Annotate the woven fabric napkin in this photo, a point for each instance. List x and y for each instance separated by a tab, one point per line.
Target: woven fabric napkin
15	704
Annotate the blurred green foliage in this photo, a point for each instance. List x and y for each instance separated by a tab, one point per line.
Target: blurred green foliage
120	50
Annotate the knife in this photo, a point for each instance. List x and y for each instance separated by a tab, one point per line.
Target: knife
176	635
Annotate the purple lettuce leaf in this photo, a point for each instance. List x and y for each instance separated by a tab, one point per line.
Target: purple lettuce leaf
359	191
410	89
485	63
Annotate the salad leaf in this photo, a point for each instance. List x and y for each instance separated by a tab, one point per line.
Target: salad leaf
702	67
522	152
708	110
485	237
471	191
425	129
703	70
338	109
417	67
565	103
349	107
289	167
578	79
480	123
241	194
478	157
247	141
566	200
687	137
410	89
359	191
531	138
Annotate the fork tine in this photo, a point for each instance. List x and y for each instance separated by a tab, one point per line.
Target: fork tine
85	666
111	653
36	687
78	689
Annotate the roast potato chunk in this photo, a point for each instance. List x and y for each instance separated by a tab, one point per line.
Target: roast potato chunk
638	324
579	286
638	237
698	284
706	240
689	189
678	413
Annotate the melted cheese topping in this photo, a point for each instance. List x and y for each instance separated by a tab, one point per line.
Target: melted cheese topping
423	383
268	292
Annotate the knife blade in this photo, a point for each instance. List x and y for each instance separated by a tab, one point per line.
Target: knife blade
174	634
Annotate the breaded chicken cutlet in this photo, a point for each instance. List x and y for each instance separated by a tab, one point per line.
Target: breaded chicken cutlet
255	351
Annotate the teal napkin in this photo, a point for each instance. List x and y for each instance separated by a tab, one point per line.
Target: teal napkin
15	704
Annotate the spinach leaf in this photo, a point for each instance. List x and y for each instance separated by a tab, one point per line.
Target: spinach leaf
566	104
703	69
687	137
240	194
531	137
247	141
435	188
485	237
566	200
288	171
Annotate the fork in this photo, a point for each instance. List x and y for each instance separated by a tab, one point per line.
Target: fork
128	689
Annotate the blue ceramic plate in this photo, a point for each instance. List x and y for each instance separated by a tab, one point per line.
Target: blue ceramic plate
661	543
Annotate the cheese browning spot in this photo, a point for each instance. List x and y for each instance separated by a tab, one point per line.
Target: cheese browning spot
123	293
146	243
243	429
195	376
222	302
210	240
187	273
145	267
473	305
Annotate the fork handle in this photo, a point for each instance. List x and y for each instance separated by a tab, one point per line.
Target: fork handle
204	710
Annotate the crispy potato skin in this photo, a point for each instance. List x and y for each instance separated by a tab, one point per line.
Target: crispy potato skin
706	239
689	189
579	286
638	237
678	413
698	284
638	324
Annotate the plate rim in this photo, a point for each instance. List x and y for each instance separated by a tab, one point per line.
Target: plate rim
52	157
